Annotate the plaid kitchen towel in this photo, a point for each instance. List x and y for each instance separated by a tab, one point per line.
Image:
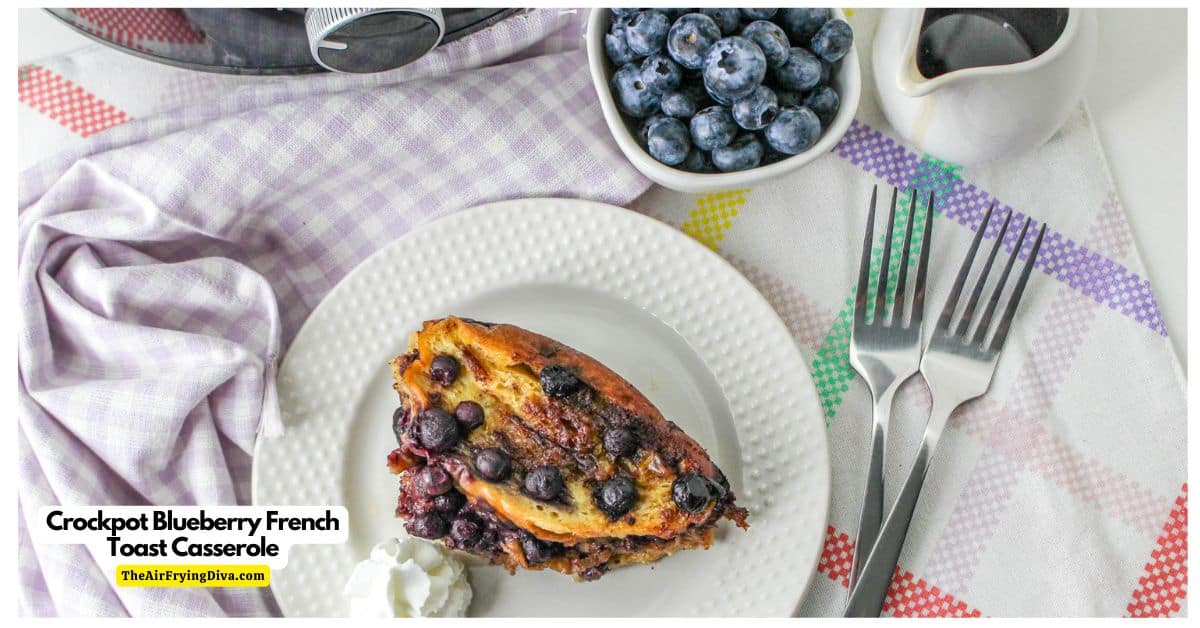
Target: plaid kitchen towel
1061	492
165	263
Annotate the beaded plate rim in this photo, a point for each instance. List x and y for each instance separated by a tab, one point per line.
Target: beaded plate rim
777	420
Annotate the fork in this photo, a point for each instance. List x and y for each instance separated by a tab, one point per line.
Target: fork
885	353
958	366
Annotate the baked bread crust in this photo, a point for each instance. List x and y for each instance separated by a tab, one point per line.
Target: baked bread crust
503	369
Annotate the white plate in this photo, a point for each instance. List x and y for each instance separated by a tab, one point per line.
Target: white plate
666	313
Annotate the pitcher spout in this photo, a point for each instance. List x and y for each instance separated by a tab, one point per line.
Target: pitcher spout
909	79
914	84
975	85
946	46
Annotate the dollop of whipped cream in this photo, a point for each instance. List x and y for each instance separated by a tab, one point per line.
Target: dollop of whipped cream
408	577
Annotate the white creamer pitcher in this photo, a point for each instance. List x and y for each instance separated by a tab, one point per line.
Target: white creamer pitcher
976	85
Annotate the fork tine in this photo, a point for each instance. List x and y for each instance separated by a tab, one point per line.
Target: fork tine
882	289
898	308
973	300
986	320
1018	290
918	309
864	267
956	290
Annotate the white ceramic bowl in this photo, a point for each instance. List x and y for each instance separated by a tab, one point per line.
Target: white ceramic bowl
847	80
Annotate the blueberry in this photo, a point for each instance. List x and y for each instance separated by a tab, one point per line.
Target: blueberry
660	73
801	72
489	540
718	98
713	127
690	38
691	492
802	24
647	32
444	369
644	129
677	104
669	141
633	96
493	464
419	505
625	12
794	130
771	39
833	41
616	496
826	72
556	380
733	68
399	423
759	13
743	153
449	503
544	483
788	98
437	430
824	102
469	415
757	110
619	22
536	551
465	530
620	441
427	526
727	19
617	48
593	573
698	161
433	480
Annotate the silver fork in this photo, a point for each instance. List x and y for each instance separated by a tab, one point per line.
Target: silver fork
885	352
958	366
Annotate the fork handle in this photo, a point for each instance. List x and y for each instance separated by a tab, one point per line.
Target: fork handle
871	516
866	598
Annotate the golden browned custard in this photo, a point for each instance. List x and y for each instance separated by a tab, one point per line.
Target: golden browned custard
521	449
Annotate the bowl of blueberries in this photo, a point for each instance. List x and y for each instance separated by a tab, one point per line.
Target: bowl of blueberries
709	99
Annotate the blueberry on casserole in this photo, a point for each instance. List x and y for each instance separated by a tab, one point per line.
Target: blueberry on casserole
527	452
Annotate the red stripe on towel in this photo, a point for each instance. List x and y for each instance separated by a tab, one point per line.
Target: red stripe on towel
909	596
65	102
1165	583
136	27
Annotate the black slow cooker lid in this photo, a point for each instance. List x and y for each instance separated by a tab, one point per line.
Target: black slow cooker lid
238	41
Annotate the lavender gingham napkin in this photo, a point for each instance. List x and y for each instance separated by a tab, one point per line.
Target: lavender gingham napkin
165	265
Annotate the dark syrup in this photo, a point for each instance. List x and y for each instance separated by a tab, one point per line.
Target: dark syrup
956	39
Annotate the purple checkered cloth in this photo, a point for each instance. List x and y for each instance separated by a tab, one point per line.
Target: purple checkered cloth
165	265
